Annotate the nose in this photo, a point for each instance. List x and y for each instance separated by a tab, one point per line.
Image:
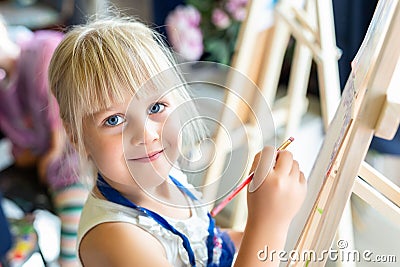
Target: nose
143	133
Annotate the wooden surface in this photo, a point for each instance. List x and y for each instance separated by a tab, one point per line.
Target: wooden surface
350	133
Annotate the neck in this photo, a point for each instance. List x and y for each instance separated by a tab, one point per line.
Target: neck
168	193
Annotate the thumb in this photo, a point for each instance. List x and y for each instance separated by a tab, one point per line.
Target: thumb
262	164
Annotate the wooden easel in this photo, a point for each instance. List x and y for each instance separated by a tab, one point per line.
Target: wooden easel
312	27
370	106
259	56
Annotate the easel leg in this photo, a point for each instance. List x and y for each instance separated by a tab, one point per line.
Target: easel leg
328	73
297	89
273	60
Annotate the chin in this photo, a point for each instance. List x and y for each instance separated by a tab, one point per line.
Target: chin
149	176
150	183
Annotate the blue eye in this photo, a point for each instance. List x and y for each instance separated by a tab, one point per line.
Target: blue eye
156	108
114	120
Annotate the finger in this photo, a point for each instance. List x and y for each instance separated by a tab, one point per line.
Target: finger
302	178
284	162
295	168
255	162
265	163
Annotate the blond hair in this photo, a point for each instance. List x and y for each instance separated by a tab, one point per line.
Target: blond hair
94	61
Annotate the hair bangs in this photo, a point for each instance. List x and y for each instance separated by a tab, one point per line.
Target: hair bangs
109	62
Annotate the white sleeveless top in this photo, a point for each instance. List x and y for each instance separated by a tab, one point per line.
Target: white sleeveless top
97	211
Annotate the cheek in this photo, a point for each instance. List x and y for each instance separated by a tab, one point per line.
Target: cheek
171	133
107	155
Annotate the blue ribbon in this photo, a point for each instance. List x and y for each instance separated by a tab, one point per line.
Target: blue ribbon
114	196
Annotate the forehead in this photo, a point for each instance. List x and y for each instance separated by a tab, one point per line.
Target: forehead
111	67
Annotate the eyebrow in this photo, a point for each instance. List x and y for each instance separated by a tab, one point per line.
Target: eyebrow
99	113
116	106
159	97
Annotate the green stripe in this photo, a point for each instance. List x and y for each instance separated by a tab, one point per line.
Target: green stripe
71	208
68	256
68	233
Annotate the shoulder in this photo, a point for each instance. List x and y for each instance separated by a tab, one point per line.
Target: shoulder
98	211
112	235
121	244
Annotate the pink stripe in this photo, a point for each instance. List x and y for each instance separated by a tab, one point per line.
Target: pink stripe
71	225
68	245
74	196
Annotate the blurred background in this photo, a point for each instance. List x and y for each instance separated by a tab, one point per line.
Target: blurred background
38	236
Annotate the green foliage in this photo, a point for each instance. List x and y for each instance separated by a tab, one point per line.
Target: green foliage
219	44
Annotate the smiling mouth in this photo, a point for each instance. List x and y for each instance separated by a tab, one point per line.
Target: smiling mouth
150	157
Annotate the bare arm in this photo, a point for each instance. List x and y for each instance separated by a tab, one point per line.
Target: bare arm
121	245
271	207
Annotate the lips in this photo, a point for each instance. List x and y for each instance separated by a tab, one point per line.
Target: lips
150	156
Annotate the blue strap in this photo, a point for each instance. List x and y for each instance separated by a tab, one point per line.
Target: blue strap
114	196
183	188
211	226
210	239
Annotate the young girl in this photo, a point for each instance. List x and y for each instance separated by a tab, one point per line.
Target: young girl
126	127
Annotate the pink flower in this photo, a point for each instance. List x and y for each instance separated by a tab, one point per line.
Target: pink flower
237	8
183	30
220	19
